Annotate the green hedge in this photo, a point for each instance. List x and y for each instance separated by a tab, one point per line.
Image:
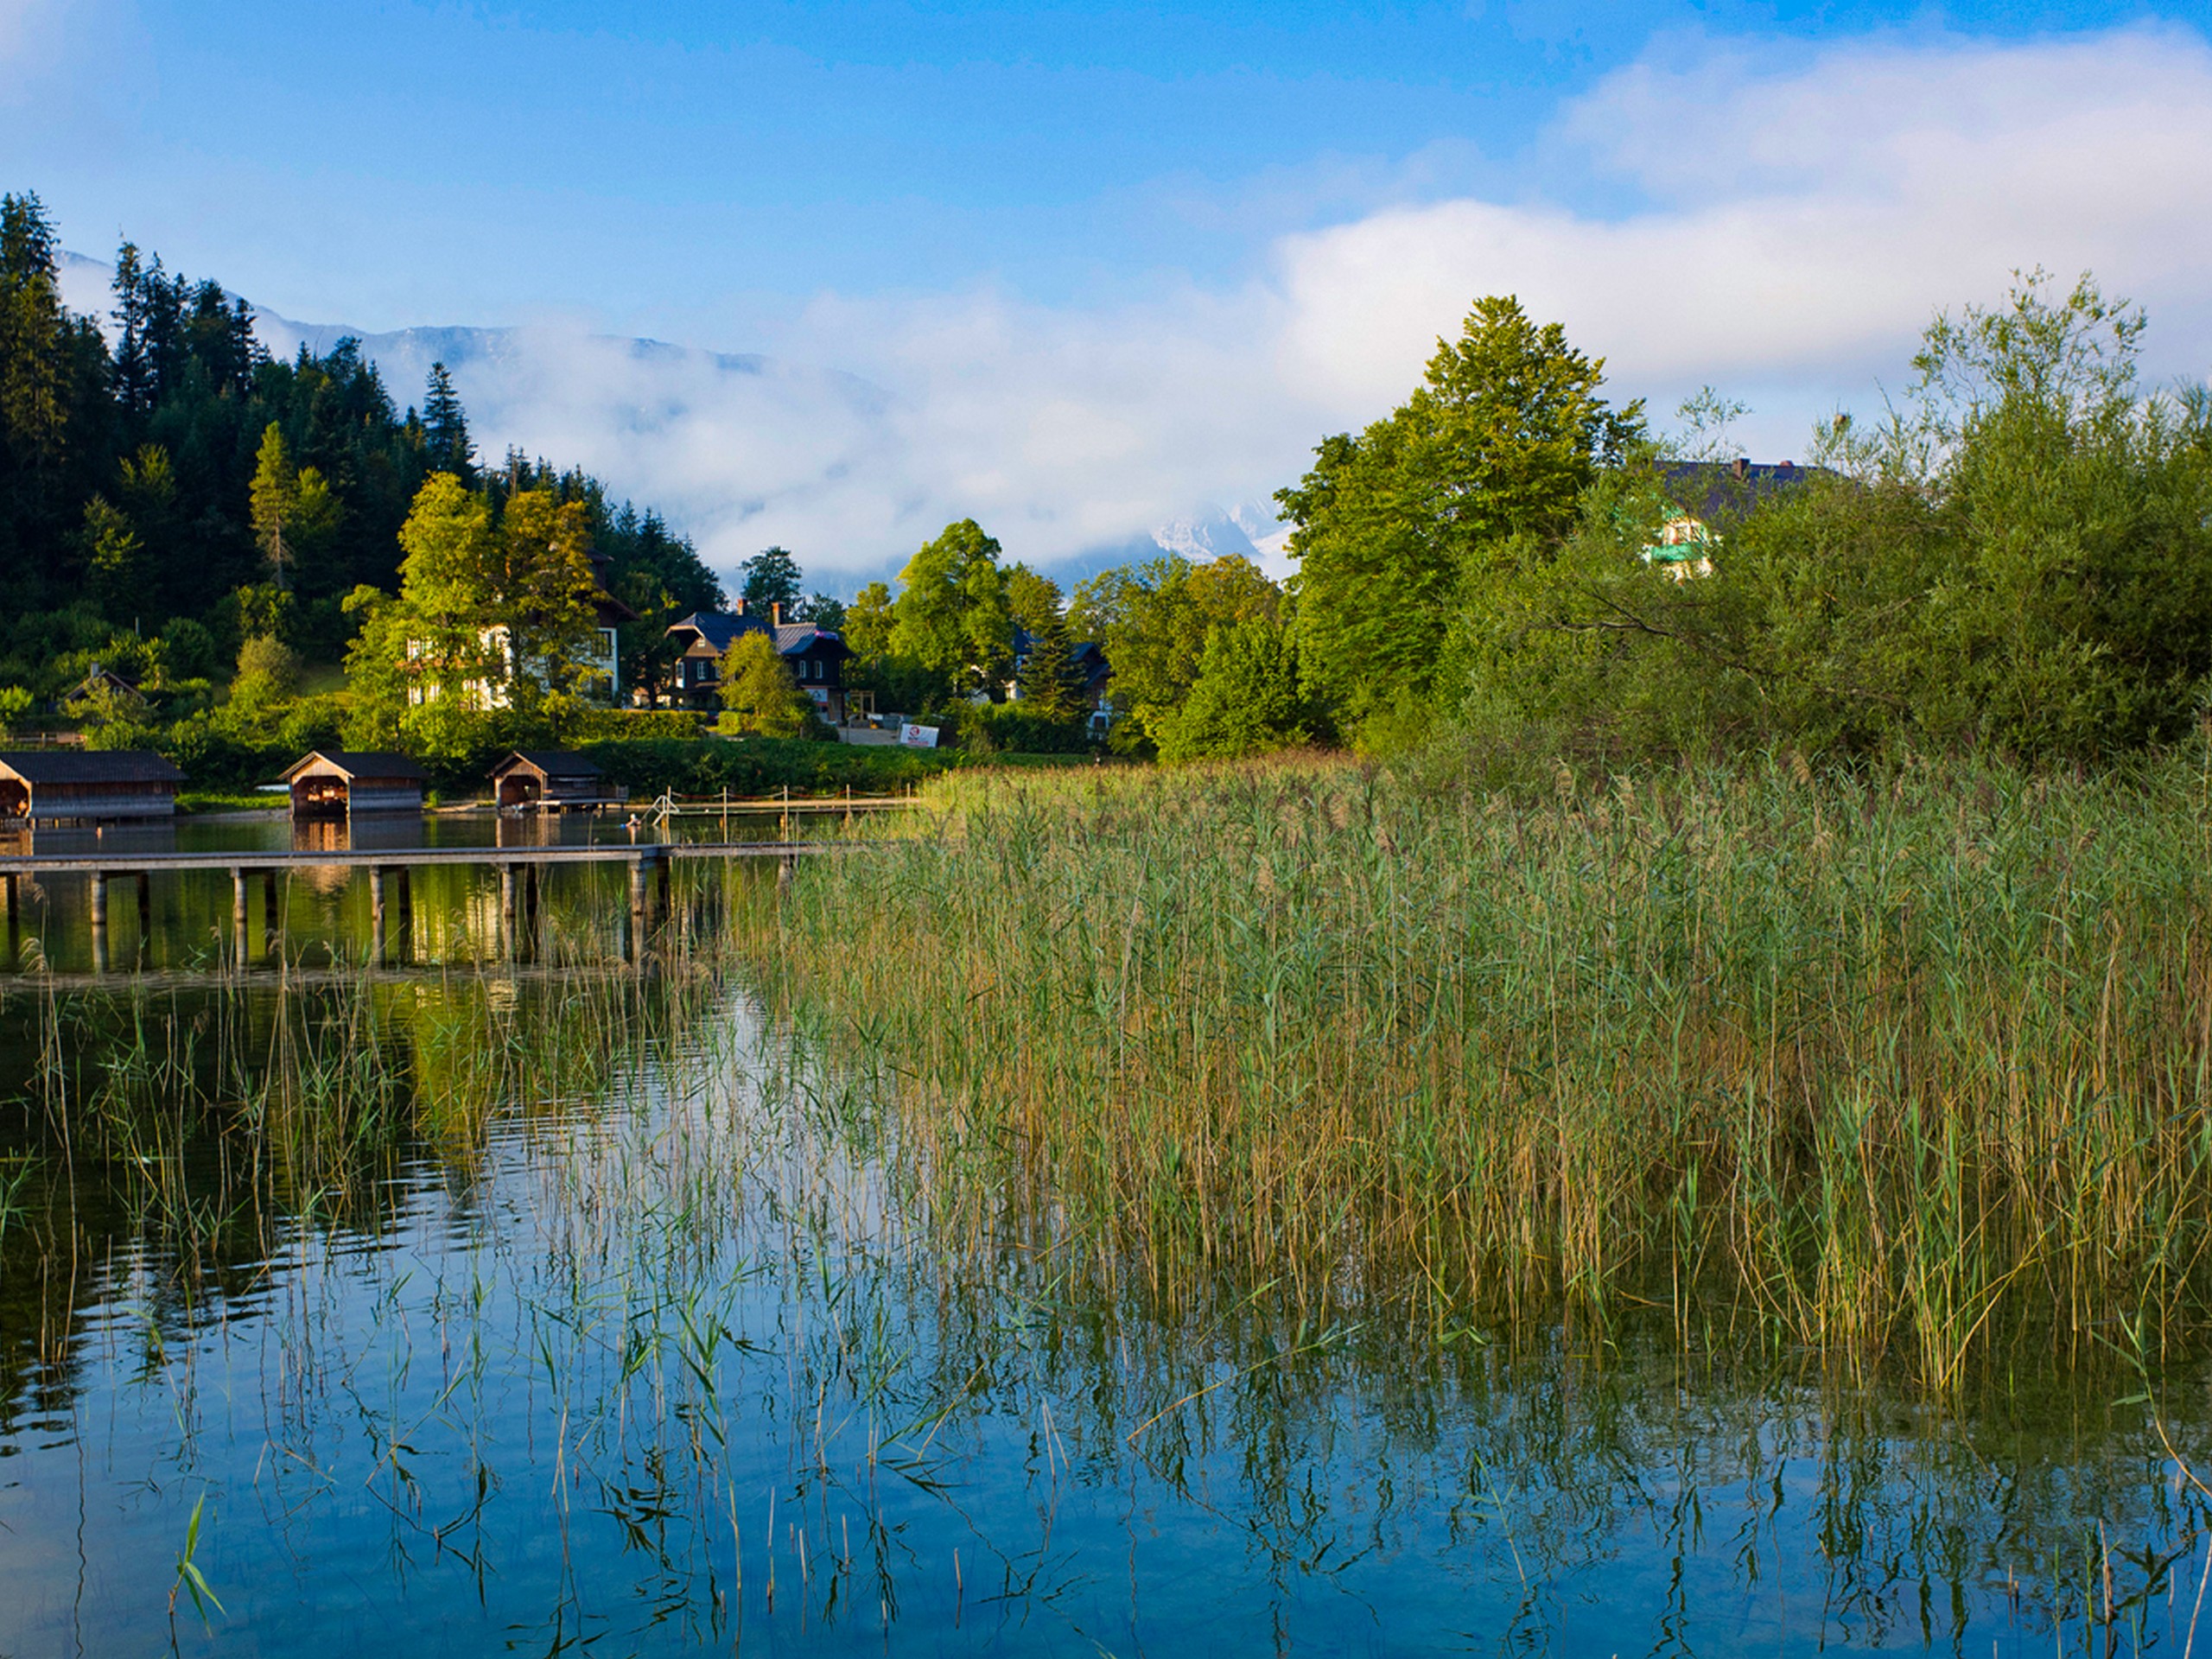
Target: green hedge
758	765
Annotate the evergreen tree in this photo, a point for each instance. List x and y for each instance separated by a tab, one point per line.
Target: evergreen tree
771	577
1050	683
446	445
276	494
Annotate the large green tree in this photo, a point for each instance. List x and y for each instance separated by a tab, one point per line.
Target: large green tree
951	619
759	696
1153	620
493	627
1505	432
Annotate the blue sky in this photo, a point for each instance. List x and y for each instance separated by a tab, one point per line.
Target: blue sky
1018	219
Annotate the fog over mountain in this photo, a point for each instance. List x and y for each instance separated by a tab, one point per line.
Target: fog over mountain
736	450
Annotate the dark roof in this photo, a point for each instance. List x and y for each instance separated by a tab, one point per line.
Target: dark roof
720	630
1078	650
554	763
91	766
358	763
1711	487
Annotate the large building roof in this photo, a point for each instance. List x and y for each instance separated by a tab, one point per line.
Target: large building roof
720	629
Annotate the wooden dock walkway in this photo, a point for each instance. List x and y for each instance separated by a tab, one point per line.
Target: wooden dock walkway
519	868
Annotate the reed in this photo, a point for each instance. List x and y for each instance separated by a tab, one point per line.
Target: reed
1904	1070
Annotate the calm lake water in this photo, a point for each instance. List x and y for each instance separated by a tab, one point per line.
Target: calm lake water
567	1306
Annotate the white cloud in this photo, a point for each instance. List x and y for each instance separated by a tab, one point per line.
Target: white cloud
1806	221
1804	214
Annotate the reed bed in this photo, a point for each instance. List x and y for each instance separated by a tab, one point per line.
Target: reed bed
1899	1072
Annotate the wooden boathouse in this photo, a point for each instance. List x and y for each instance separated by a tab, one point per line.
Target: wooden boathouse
86	786
551	780
338	783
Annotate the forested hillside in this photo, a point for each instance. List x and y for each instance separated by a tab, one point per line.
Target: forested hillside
167	489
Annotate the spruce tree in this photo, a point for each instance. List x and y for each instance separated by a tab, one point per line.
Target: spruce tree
771	577
445	429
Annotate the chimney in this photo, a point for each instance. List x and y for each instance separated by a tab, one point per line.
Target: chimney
740	605
776	613
1742	467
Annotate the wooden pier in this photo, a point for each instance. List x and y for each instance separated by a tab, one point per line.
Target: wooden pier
388	868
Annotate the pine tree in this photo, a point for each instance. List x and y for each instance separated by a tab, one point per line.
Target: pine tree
1051	683
276	492
445	429
772	578
134	368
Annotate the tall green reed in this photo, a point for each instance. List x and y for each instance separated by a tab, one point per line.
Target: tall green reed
1891	1069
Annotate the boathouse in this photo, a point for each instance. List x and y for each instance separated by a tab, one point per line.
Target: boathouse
337	783
551	780
86	786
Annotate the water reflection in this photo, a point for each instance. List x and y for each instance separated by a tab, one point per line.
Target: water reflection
576	1308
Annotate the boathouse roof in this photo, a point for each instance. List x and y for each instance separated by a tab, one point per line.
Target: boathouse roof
64	766
356	763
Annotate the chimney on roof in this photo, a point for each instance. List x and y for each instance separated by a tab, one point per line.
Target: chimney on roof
1742	467
740	605
776	612
1786	466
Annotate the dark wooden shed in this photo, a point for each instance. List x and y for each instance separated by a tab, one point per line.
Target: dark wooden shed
88	785
337	783
552	780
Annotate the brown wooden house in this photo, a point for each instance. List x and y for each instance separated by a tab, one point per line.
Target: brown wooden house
551	780
338	783
87	785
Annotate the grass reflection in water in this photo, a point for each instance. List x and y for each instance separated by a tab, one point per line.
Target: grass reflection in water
580	1307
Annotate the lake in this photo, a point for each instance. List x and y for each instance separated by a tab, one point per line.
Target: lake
571	1305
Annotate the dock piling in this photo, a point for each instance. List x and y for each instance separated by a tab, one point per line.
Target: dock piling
99	894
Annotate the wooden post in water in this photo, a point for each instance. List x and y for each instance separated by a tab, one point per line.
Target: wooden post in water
507	908
406	911
237	913
529	906
99	921
145	912
376	915
269	923
660	883
636	900
15	923
787	811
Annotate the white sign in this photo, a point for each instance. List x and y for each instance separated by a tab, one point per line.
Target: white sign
918	737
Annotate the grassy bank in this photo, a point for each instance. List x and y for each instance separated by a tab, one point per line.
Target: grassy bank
1910	1070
